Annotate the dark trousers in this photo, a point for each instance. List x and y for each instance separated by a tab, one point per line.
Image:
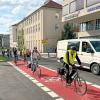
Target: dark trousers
68	75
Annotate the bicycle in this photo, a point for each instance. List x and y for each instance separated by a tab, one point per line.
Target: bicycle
15	59
80	85
36	68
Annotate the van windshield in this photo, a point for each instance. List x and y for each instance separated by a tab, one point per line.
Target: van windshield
96	45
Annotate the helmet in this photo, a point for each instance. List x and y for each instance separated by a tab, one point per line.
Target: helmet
35	47
73	48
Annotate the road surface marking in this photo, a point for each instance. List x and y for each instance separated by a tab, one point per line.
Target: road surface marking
44	88
40	84
54	95
60	99
96	86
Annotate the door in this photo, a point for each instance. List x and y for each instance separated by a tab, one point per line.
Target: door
86	54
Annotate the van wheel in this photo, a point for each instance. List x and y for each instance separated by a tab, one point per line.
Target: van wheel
95	69
61	59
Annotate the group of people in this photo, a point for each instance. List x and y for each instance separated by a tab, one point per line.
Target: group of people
6	52
34	55
68	59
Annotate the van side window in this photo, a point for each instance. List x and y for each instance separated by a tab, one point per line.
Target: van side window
85	46
74	43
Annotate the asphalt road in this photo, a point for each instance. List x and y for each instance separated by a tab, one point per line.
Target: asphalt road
85	73
15	86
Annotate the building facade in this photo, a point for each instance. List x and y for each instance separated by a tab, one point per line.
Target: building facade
42	28
0	40
5	41
13	36
85	14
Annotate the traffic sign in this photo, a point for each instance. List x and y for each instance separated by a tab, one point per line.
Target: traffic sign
44	41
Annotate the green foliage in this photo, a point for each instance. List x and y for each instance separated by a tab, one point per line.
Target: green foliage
20	39
68	32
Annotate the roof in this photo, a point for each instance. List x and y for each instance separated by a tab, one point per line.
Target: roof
71	40
48	4
52	4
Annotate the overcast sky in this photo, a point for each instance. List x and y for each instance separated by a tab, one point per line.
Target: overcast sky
12	11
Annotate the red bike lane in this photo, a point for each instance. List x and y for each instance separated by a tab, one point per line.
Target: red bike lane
50	79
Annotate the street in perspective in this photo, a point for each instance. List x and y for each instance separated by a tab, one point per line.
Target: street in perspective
50	50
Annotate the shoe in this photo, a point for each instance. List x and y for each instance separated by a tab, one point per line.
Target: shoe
68	84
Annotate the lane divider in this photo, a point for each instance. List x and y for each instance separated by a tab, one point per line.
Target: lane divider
37	83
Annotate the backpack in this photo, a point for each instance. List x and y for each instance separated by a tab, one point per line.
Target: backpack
61	71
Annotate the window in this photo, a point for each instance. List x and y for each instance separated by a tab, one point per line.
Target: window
91	2
65	10
86	47
89	25
33	19
38	27
57	15
33	29
74	43
96	45
79	4
38	15
56	26
85	26
72	6
98	24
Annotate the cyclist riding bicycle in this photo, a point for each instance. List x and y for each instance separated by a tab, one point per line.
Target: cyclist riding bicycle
68	60
35	57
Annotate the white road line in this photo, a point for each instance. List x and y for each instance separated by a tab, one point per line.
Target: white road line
54	95
96	86
45	89
31	78
89	83
27	75
40	84
60	99
35	81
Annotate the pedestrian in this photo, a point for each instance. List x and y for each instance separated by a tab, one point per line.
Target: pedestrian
15	53
8	53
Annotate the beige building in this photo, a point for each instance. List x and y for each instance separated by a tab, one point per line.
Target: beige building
13	36
42	28
85	14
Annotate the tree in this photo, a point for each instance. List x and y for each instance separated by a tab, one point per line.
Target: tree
68	32
21	38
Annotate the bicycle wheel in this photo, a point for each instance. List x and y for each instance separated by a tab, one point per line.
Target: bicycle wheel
80	86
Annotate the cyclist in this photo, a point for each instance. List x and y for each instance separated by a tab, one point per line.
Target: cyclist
15	53
68	59
35	56
24	54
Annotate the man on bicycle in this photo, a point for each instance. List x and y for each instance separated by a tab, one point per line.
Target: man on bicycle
68	59
35	56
